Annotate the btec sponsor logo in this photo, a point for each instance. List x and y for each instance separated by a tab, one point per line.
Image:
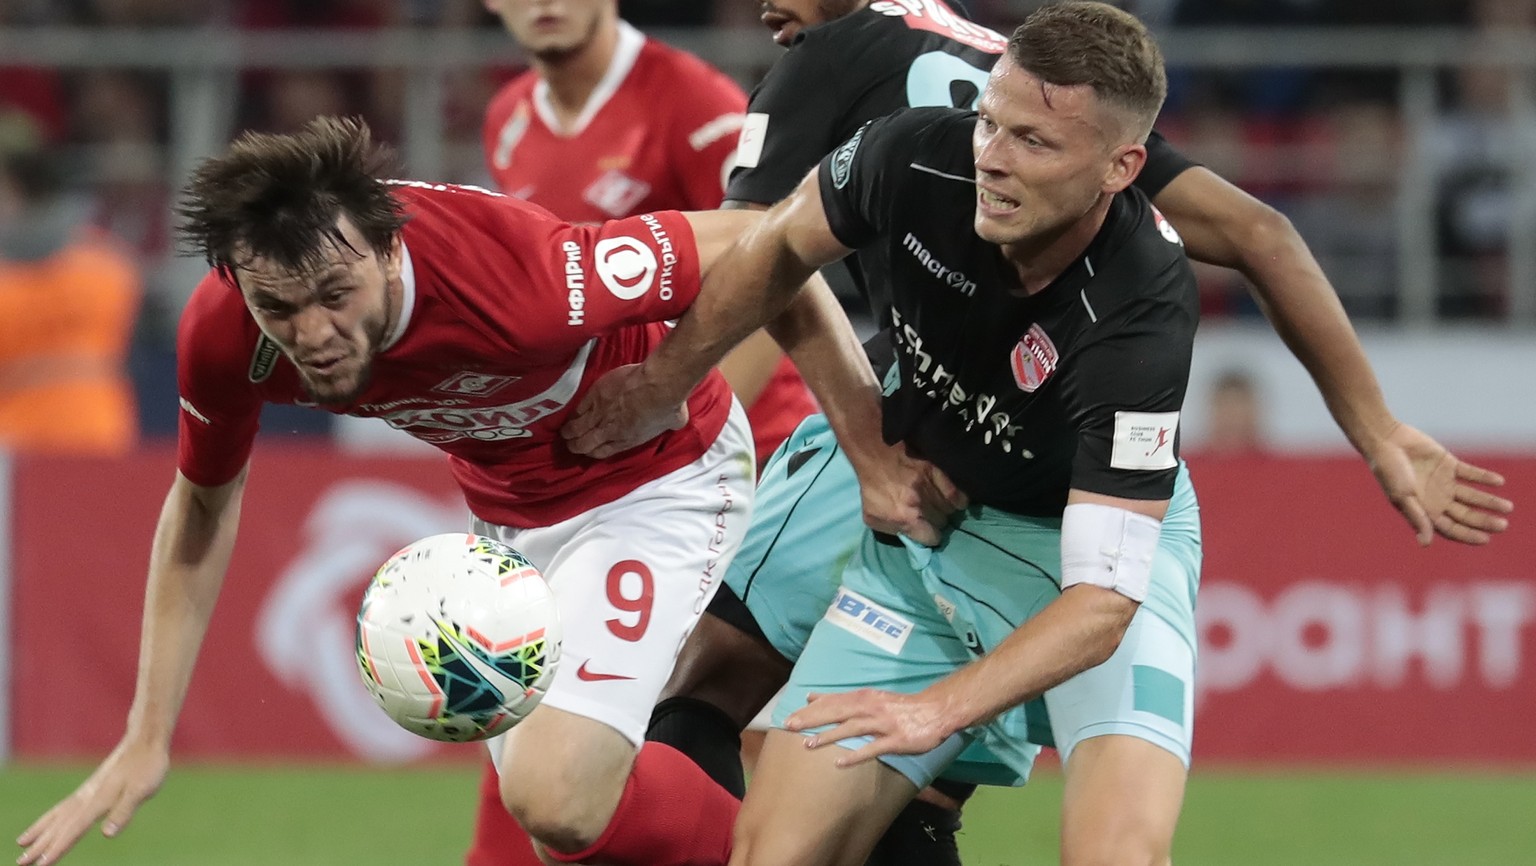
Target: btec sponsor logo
945	274
856	614
575	284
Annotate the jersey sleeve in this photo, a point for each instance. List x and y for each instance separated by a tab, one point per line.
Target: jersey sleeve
623	272
1125	397
858	180
1164	163
220	409
703	138
789	126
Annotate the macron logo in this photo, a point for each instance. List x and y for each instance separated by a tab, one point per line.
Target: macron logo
942	272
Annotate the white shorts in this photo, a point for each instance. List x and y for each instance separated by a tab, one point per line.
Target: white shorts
633	576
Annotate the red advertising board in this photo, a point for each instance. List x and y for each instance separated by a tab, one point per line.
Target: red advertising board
1328	635
277	675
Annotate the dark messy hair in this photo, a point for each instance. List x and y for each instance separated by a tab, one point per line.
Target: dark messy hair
278	197
1075	43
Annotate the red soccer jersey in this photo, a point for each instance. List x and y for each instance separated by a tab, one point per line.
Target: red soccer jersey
508	316
658	133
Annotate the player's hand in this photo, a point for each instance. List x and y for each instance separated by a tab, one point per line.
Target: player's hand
897	724
906	496
621	411
128	777
1437	492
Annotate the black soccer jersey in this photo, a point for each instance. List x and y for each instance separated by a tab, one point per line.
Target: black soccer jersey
1017	398
839	75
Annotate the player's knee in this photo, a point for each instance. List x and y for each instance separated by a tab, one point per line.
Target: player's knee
558	816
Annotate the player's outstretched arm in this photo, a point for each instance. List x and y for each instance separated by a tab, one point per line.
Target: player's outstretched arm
755	282
1223	225
750	366
193	543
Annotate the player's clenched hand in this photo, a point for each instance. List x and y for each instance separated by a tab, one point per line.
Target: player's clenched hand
620	411
896	724
906	496
128	777
1437	492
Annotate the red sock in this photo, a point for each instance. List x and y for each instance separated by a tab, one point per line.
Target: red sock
671	814
499	839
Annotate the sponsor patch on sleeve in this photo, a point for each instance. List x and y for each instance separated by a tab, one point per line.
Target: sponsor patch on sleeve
842	159
856	614
1144	440
749	148
626	266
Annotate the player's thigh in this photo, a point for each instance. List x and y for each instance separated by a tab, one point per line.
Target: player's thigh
881	631
1124	730
633	577
993	572
1146	690
1121	802
804	810
807	521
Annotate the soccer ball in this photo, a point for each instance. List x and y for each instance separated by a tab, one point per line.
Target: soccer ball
458	637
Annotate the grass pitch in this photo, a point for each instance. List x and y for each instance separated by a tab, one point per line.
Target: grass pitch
305	816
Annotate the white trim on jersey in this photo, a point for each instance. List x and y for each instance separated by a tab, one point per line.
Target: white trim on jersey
407	300
944	174
625	53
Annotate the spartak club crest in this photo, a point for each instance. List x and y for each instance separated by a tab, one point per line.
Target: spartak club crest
1033	360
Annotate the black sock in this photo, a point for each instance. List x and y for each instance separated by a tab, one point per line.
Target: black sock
957	791
703	732
922	835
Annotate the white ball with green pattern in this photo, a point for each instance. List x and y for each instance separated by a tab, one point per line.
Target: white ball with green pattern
458	637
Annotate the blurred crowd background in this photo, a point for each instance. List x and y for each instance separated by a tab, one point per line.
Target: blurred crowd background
1400	141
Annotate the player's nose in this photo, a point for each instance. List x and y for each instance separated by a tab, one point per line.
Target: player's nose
312	328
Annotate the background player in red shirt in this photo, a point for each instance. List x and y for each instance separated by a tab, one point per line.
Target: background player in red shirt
475	323
609	123
596	130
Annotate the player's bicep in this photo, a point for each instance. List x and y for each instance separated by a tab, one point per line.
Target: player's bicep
1208	213
803	222
219	408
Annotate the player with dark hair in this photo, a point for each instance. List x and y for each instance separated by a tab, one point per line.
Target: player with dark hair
473	322
1041	364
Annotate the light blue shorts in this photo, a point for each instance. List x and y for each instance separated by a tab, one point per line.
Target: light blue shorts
908	615
806	523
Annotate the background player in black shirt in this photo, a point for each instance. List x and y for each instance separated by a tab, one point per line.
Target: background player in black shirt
954	402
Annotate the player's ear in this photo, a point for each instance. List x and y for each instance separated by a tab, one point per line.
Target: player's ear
394	259
1125	164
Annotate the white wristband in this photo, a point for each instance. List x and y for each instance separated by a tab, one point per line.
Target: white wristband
1109	547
